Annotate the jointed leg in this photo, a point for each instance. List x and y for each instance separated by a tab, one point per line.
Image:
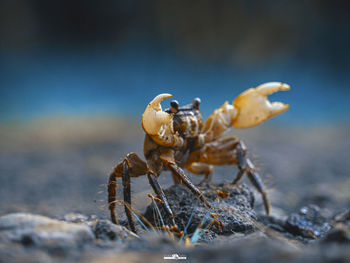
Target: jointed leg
159	192
246	166
201	169
181	174
127	196
176	179
131	166
256	181
219	152
112	193
167	157
229	151
242	162
112	185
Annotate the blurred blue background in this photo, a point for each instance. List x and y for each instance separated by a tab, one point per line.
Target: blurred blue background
89	58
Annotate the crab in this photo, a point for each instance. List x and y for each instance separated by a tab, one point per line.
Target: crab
178	138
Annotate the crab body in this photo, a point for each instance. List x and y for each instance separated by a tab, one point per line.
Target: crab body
178	139
187	122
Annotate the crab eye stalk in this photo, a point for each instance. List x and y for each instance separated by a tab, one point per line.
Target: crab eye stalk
196	103
174	106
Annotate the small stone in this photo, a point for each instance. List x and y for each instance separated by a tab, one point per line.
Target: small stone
106	230
339	234
343	217
75	218
308	223
93	217
43	232
341	230
303	210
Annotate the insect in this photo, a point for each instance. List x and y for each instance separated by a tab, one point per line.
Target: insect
178	138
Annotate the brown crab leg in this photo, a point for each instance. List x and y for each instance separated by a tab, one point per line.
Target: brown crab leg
246	166
112	185
241	163
127	196
181	174
238	176
158	190
257	182
131	166
202	169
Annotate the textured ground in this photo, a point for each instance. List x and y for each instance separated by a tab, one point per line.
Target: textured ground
55	168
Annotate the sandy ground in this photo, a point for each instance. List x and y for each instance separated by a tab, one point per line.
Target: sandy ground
57	166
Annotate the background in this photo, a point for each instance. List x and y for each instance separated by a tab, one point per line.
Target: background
75	77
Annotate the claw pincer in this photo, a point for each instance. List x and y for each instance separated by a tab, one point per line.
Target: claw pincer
254	108
159	124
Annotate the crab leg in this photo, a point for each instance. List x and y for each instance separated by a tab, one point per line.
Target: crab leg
131	166
242	162
112	192
230	151
167	158
158	190
257	182
181	174
201	169
127	196
246	166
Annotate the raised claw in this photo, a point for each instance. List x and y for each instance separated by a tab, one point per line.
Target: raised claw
253	106
159	124
154	119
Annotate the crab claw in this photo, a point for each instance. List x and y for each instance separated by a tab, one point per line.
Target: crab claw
154	119
158	123
254	108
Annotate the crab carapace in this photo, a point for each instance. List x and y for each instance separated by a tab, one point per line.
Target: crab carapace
178	139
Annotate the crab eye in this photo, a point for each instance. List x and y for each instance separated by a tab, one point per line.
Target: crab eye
174	106
196	103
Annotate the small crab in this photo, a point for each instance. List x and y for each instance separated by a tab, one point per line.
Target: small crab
177	138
